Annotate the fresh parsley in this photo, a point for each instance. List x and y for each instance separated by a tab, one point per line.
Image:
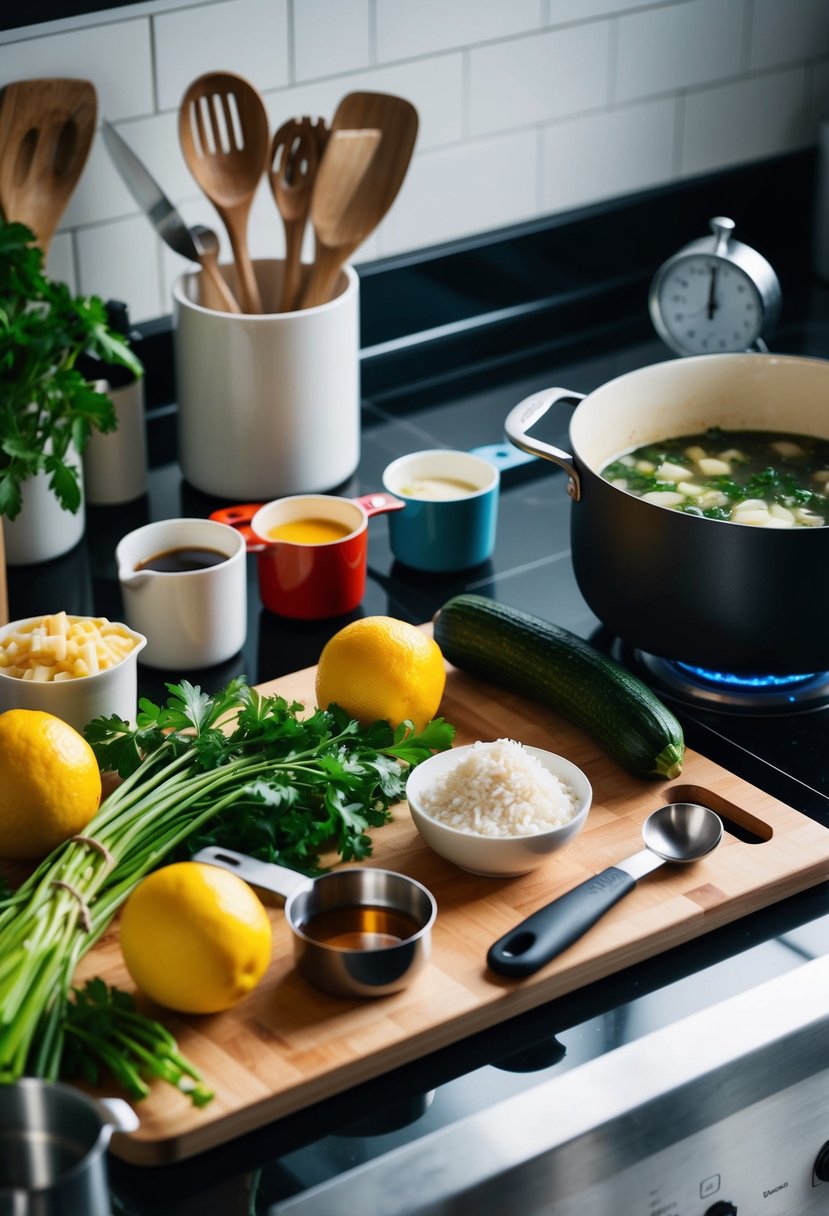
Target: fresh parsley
46	404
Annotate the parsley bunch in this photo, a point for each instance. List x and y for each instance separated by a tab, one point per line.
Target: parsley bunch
236	768
46	404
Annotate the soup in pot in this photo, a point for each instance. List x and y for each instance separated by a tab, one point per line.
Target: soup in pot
761	478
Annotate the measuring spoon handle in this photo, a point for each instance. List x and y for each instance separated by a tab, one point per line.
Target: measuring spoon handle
556	926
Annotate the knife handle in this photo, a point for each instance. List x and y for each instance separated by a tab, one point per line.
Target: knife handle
553	928
215	293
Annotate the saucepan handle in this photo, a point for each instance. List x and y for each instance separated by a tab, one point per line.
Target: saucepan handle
239	517
542	936
504	456
530	411
265	874
379	503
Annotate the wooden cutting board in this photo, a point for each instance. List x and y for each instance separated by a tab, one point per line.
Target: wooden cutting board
289	1045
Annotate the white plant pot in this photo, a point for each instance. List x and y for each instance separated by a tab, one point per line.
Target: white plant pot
43	529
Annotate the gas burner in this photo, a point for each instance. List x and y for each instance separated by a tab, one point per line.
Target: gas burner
737	692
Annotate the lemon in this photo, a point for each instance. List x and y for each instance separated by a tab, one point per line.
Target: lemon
50	783
380	668
195	938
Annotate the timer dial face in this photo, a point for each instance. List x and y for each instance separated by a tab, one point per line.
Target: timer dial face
702	305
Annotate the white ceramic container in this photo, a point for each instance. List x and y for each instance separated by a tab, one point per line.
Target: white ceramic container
77	701
115	463
269	405
43	530
193	618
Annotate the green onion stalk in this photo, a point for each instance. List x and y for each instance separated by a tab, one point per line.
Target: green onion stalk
275	784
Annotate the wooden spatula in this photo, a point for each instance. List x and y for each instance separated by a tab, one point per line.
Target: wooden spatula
223	129
292	174
341	214
46	130
396	120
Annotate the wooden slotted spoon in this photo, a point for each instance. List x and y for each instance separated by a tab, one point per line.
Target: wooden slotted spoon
341	214
396	120
46	130
223	130
292	173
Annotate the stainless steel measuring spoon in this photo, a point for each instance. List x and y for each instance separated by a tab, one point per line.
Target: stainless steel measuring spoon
358	931
680	832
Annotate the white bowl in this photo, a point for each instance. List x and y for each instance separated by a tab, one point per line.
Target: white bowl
495	856
76	701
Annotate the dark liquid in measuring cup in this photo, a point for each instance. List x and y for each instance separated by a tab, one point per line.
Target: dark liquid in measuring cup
361	928
179	561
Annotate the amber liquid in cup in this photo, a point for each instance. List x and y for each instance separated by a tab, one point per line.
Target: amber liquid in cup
317	531
361	927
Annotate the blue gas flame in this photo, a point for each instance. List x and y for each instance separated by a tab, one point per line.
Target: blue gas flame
749	680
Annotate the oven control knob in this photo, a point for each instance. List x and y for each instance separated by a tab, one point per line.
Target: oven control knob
822	1164
721	1208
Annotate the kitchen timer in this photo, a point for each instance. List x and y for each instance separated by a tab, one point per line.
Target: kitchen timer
715	294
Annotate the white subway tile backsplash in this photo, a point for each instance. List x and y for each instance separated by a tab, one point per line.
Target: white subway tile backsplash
249	37
525	108
406	30
457	191
748	120
535	79
116	58
561	12
119	261
330	38
60	264
678	46
433	86
608	155
783	33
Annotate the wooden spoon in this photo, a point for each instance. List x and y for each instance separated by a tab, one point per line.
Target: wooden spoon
341	214
46	130
396	120
223	129
293	170
215	292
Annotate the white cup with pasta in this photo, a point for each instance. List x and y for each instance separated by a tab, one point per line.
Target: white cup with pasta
75	667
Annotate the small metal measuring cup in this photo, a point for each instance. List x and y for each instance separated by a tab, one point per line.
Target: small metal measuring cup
357	931
53	1141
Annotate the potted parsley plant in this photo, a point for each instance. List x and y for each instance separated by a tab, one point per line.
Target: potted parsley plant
48	408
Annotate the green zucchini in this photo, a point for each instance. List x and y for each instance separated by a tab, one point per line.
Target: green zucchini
540	660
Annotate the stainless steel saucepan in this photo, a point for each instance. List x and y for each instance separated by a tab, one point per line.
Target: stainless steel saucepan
357	931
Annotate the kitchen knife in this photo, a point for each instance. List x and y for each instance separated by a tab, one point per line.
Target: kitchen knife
166	220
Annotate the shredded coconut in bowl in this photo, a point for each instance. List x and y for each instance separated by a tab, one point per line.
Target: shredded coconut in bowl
499	789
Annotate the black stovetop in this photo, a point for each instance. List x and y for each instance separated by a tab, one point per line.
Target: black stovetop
464	407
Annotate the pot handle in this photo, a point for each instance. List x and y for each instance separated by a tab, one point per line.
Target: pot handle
239	517
379	504
117	1115
529	411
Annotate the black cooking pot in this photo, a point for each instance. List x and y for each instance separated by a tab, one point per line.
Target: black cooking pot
715	594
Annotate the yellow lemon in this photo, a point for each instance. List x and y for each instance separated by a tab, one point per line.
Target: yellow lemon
380	668
50	783
195	938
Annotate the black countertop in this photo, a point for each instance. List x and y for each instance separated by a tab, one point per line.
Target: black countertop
478	352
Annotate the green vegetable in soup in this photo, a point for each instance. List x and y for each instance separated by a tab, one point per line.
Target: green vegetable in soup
761	478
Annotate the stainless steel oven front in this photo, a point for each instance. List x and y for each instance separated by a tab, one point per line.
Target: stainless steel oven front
723	1112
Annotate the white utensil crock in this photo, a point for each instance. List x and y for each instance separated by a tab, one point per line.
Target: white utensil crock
269	405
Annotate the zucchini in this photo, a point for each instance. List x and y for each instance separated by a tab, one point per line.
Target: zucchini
540	660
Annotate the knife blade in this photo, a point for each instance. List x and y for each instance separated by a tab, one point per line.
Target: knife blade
150	197
167	221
